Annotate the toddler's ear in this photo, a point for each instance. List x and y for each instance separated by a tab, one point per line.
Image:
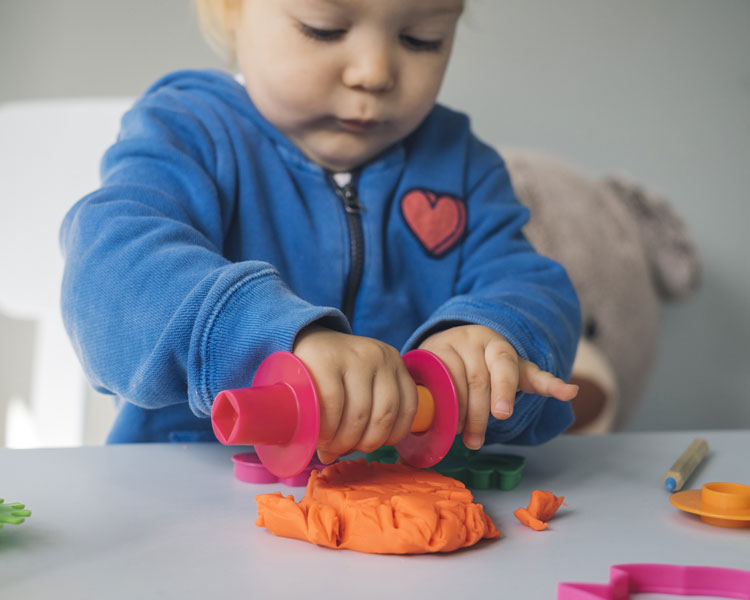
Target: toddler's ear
672	253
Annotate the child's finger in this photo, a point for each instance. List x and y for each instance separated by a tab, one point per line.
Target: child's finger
386	406
331	394
355	415
457	370
535	381
502	362
326	457
478	402
408	407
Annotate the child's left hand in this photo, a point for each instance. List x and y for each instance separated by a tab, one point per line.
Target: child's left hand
487	373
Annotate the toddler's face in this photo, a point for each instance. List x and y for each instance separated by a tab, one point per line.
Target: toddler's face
345	79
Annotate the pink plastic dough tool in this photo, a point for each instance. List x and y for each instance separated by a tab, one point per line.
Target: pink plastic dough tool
661	579
280	414
247	467
428	448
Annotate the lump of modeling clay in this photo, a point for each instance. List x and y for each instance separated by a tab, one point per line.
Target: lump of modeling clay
542	507
380	509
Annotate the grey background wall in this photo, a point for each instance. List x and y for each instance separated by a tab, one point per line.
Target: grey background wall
657	90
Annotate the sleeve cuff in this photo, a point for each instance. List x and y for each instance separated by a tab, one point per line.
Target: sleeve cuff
255	317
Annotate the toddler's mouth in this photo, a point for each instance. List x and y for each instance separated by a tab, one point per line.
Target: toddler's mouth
358	125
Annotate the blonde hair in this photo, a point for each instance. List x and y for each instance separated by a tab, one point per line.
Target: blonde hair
215	18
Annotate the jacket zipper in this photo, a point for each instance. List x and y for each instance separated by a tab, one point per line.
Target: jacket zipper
347	193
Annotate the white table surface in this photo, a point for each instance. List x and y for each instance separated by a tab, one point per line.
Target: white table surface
170	521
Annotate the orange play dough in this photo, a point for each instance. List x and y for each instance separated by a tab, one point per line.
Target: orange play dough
380	509
542	507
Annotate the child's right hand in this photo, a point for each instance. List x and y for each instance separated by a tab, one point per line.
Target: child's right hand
367	397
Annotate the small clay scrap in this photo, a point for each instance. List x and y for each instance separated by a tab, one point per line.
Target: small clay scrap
542	507
380	509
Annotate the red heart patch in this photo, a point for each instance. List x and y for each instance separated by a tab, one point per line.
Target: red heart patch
437	221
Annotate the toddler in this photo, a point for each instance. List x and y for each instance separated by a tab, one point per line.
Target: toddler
320	202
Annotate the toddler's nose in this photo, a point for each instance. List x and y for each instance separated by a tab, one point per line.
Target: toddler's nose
371	68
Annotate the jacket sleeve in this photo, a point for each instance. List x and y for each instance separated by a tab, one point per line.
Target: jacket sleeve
506	285
156	313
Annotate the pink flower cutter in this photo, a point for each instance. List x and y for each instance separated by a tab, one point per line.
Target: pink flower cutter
661	579
248	468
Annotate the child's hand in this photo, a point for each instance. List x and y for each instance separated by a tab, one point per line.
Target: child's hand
487	373
367	397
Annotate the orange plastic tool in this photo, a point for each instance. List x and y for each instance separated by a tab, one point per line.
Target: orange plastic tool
718	503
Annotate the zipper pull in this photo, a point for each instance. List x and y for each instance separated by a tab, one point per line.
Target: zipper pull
349	196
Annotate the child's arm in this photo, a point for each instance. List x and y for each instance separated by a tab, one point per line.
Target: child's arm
504	285
367	397
487	373
158	315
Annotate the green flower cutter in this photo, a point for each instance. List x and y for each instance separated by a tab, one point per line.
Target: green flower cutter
478	471
13	513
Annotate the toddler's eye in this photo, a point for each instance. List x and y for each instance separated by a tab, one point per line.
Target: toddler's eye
414	43
323	35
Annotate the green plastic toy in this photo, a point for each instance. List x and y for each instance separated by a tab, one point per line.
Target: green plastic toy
479	471
13	513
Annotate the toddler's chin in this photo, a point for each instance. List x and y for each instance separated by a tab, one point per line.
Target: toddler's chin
343	154
342	162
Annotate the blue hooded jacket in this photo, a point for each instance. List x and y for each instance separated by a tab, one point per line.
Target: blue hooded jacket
213	241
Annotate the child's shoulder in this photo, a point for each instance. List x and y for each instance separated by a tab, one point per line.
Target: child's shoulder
207	87
196	79
447	120
189	107
449	132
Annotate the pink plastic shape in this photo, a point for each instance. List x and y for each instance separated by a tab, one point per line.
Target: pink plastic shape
661	579
428	448
247	467
279	415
